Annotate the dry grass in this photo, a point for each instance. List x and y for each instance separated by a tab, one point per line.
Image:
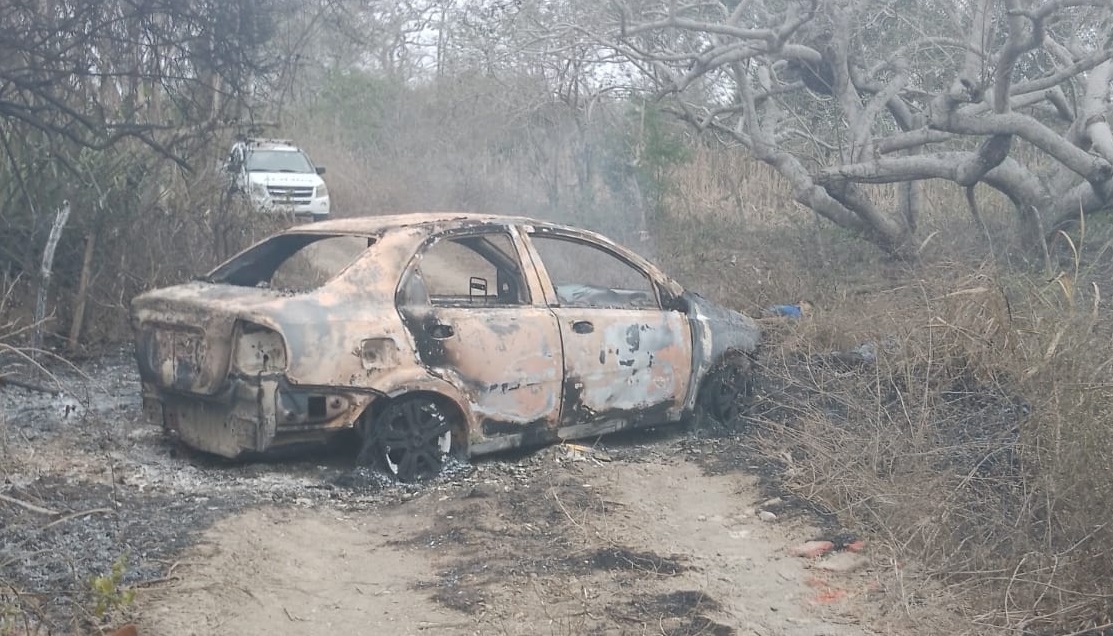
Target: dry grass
955	410
967	443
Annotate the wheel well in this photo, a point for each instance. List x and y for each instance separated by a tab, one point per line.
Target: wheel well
450	407
729	354
701	404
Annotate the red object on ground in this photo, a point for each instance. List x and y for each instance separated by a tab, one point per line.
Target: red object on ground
812	549
831	594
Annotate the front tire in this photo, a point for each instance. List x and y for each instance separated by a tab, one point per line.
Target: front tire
728	390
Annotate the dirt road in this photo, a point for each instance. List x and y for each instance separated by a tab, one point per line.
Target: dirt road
656	532
650	544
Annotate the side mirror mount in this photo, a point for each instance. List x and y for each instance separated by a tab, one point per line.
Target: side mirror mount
320	169
671	301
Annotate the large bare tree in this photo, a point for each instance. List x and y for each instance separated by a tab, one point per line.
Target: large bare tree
835	94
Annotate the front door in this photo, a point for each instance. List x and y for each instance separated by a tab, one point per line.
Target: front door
474	321
625	358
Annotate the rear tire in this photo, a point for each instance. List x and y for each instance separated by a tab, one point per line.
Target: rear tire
409	439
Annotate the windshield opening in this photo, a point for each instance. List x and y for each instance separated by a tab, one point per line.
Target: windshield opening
278	161
292	262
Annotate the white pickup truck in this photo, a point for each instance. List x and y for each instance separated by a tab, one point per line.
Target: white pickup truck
276	175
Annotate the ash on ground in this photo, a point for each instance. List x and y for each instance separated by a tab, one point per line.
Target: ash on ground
102	484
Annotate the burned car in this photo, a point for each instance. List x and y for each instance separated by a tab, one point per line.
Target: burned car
429	334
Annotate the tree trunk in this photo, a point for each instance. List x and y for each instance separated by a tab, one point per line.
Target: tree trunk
82	291
60	219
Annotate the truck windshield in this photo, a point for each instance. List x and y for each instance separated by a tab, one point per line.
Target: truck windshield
278	161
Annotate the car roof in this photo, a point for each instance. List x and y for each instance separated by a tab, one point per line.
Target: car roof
374	225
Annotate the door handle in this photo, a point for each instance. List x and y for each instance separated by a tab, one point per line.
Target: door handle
583	326
441	332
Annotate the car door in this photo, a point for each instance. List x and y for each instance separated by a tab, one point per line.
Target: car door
625	357
471	308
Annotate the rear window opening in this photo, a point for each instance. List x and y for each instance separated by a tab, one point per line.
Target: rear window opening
295	263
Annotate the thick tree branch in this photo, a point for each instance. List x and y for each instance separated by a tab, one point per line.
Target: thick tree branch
1093	114
912	139
1009	177
1083	198
1062	74
804	190
1032	130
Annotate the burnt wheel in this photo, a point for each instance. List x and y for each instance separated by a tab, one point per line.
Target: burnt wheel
728	390
409	438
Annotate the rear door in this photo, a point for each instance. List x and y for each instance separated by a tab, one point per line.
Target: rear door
481	322
625	357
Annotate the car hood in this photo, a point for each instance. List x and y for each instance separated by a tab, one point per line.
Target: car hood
721	330
286	179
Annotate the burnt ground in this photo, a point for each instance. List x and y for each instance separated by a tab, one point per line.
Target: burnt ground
121	489
650	532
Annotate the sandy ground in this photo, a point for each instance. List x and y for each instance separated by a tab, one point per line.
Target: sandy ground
651	545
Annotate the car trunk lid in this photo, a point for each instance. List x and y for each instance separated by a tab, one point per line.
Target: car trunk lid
184	334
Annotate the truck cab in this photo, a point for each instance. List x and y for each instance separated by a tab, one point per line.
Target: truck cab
277	176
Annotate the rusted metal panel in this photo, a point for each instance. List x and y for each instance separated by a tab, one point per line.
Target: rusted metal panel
256	414
715	332
327	327
184	339
630	357
630	362
227	427
507	361
258	350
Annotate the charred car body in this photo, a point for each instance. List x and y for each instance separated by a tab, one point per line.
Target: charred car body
433	333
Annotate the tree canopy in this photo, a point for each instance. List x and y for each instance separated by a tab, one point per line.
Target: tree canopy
837	94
